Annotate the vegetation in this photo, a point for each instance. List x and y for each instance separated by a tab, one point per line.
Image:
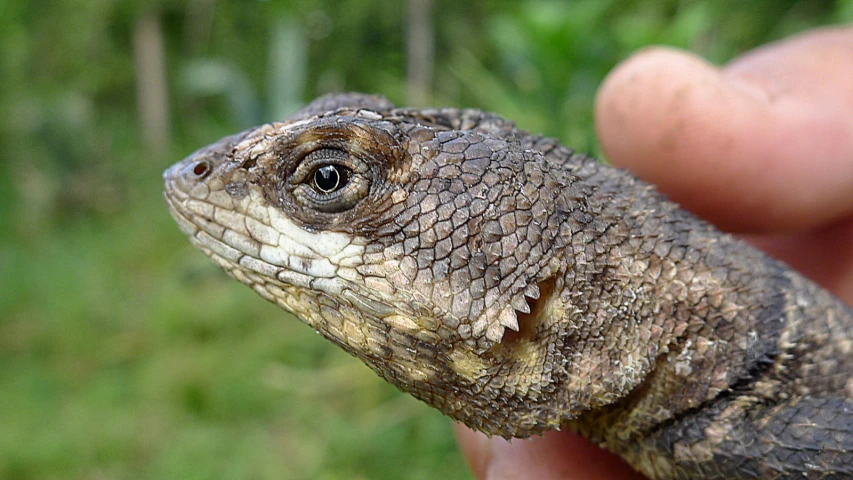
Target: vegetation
126	354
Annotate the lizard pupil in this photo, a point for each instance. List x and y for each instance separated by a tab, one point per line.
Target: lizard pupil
329	178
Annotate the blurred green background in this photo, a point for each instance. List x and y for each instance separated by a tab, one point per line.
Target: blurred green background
126	354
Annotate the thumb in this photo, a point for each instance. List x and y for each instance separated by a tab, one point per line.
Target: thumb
764	144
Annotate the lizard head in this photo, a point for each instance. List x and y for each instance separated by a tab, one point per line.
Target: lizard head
413	243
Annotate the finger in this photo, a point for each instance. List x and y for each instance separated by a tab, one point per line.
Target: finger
765	144
556	455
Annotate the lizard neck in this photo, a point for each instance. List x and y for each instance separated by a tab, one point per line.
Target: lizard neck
662	302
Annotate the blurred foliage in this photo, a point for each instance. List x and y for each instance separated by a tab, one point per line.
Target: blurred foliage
124	353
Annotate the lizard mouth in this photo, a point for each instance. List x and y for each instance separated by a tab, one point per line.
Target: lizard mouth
252	240
176	196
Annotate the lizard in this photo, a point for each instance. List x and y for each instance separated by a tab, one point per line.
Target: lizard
519	286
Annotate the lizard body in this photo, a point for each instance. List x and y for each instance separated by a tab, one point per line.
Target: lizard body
518	286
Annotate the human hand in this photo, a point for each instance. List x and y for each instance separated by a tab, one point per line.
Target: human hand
762	147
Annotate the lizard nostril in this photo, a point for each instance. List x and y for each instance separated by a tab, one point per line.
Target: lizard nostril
201	169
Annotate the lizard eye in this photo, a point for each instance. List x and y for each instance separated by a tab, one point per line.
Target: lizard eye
330	178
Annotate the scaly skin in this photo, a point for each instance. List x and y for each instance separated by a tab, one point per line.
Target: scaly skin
520	287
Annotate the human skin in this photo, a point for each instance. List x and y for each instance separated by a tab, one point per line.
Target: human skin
762	147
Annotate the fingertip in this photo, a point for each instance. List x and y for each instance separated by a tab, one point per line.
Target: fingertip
647	86
724	147
649	105
661	114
